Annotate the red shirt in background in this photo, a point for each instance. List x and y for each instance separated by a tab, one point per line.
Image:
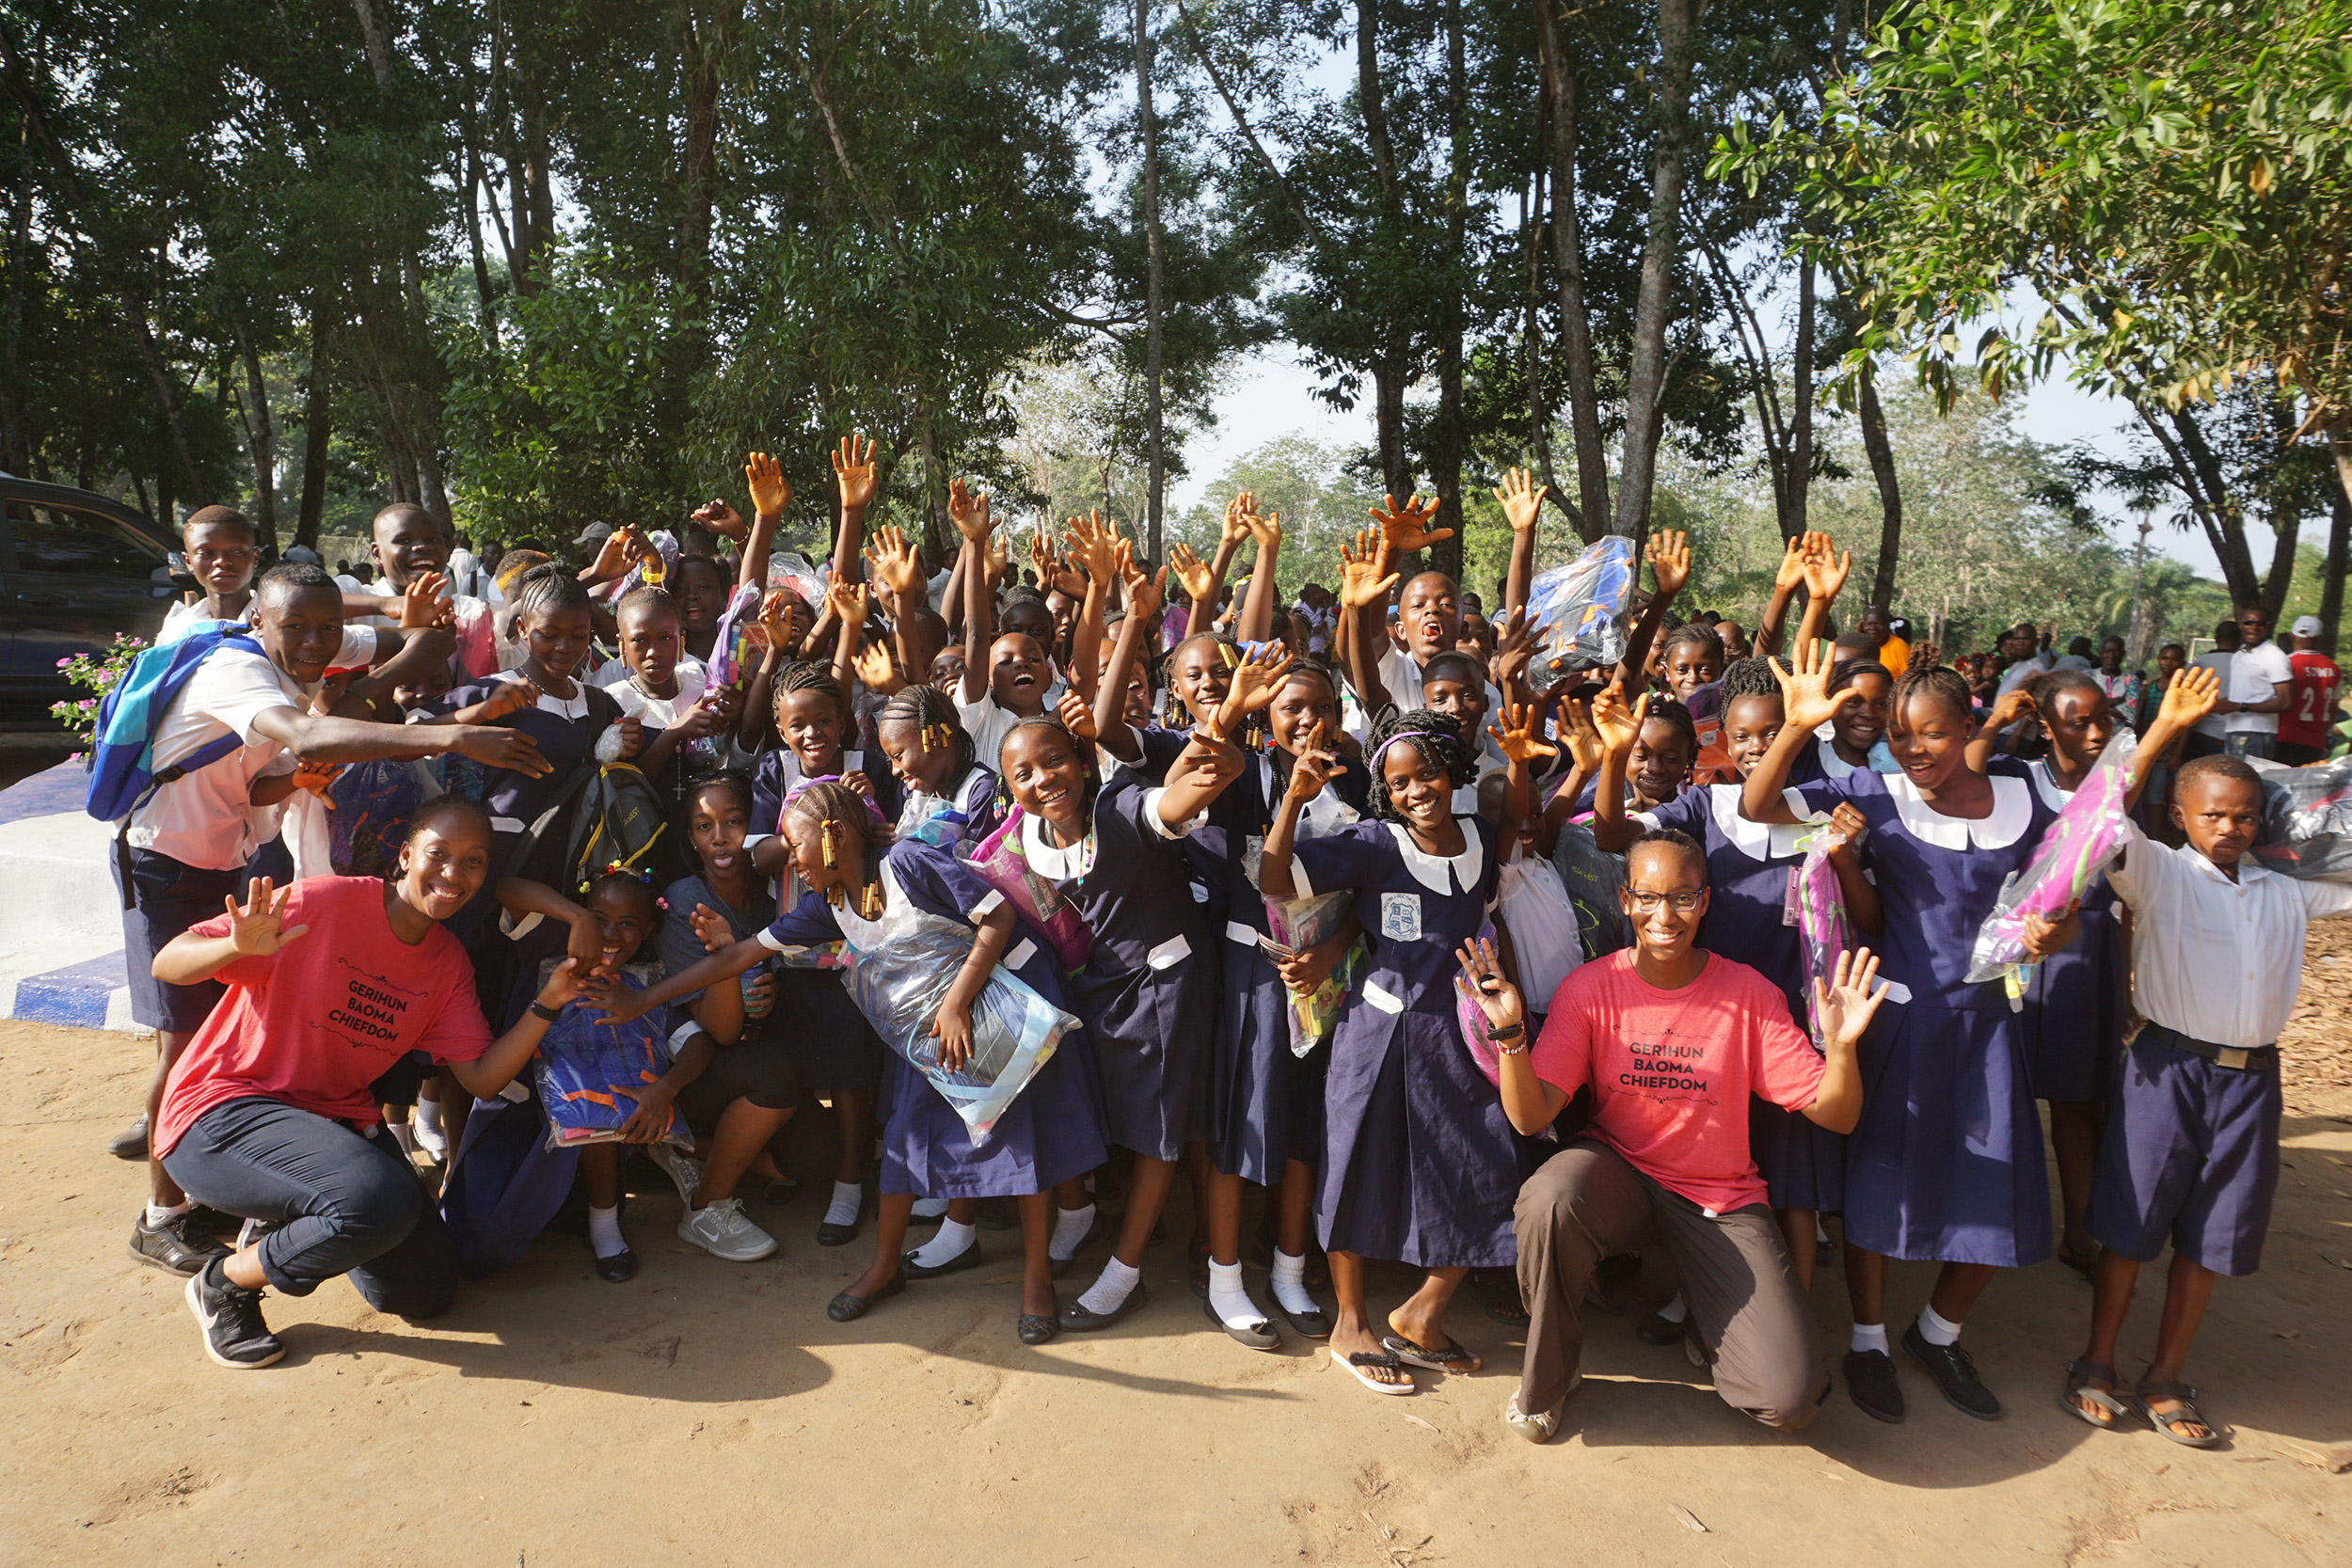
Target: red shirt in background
317	1022
2311	715
1672	1071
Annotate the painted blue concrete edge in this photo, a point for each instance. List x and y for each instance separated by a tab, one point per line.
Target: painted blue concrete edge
75	995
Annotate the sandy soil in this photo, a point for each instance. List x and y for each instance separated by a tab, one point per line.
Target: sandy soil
710	1413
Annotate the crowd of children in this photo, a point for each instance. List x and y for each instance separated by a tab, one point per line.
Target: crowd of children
1000	891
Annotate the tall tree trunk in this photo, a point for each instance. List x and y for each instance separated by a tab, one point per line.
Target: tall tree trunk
1567	265
1154	341
1881	454
707	44
379	46
2338	536
315	397
1445	457
476	186
261	434
1538	412
1389	385
1646	377
1372	105
1390	376
1800	405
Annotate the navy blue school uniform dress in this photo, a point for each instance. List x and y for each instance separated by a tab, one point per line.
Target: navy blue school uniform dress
1420	1163
1748	869
1051	1132
830	1041
1147	992
2077	1001
1265	1102
964	812
1947	1165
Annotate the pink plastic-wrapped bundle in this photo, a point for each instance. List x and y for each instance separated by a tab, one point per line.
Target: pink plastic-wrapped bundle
2090	829
1822	921
737	648
1002	864
1298	924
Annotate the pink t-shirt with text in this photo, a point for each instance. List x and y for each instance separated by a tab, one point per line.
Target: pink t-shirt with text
1672	1071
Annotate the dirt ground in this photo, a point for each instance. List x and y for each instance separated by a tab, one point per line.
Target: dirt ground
708	1413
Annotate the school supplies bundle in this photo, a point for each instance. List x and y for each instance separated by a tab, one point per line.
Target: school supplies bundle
1819	906
1592	878
737	646
369	805
898	984
933	820
2088	832
1576	614
591	1072
1294	925
2306	819
1535	908
1001	863
791	569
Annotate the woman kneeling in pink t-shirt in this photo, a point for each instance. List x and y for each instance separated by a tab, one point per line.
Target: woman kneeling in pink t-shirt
1672	1040
269	1112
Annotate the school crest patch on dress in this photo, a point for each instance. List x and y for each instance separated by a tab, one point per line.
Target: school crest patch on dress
1400	916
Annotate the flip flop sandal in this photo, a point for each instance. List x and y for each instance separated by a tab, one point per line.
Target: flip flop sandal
2084	1263
1499	1294
2078	1376
2163	1422
1353	1363
1450	1358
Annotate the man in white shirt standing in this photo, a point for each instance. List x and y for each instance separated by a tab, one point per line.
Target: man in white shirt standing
2260	685
185	844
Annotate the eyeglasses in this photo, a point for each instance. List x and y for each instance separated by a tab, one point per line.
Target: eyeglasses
1681	903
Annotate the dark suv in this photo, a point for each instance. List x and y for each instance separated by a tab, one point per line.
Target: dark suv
75	569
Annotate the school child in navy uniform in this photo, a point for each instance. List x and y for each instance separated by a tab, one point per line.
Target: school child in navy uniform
1947	1165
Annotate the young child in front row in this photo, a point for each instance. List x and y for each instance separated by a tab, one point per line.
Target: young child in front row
2191	1151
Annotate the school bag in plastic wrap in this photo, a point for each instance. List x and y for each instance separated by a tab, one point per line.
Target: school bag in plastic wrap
1545	940
2306	819
2090	829
591	1070
1576	614
791	569
901	979
1593	878
1003	865
1822	924
737	646
369	805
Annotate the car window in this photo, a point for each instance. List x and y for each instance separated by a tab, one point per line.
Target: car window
90	543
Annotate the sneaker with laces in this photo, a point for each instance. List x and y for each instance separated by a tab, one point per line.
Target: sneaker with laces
230	1316
1955	1372
684	1171
180	1245
720	1228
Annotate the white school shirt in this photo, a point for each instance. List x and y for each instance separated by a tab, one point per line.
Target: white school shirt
182	619
204	819
694	678
2218	960
2253	674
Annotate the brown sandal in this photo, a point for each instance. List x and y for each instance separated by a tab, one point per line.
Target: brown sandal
2078	1376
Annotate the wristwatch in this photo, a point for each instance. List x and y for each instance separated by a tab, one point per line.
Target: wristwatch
1508	1032
540	1009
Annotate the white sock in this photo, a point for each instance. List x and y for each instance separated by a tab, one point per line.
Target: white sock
847	1195
1108	1293
1229	1300
157	1217
1674	1310
428	1119
1935	1330
406	1137
604	1231
1069	1227
929	1208
1868	1337
1290	1282
946	1247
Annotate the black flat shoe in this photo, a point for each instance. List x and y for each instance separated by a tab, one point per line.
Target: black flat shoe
621	1265
1076	1318
1316	1324
846	1309
131	1143
1257	1336
1035	1330
830	1234
1199	1252
1658	1329
1955	1372
779	1192
1870	1383
968	1258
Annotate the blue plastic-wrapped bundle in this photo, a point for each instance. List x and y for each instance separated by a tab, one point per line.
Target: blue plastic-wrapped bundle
590	1071
1576	614
369	805
903	973
2306	819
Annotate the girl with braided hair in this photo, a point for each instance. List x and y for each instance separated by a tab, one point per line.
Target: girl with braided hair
1050	1133
936	764
1946	1166
1420	1163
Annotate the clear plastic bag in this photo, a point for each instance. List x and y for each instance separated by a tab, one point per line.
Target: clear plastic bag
1576	614
1592	878
1294	925
901	979
590	1070
789	569
737	648
1545	938
1000	862
2306	819
2091	827
1822	922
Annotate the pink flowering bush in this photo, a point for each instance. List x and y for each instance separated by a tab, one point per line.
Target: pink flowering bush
96	676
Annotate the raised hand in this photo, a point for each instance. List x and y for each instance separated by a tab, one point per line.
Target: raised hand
1846	1003
1193	574
1616	724
1585	746
612	556
1257	677
1522	499
1266	531
257	930
1805	700
1482	982
1057	572
890	562
1076	716
853	472
1514	651
1361	582
1234	531
1521	736
968	510
874	669
711	928
2190	697
849	602
781	620
1791	572
420	602
1403	529
717	517
1097	543
1669	556
1825	567
1315	766
771	491
1146	594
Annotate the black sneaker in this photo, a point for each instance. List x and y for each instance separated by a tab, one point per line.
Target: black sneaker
230	1316
1658	1329
179	1245
1870	1381
1955	1372
131	1143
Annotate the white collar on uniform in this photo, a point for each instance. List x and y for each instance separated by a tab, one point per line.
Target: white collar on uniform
1050	860
1430	870
574	706
2012	813
2045	786
1833	766
1758	841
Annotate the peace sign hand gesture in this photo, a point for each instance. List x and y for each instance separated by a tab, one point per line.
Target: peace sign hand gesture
256	930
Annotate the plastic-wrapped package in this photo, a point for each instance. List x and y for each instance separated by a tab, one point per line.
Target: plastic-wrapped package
1001	863
369	807
1545	939
1576	614
2091	827
1593	878
737	648
898	982
1822	920
2306	819
1293	925
931	818
789	569
590	1070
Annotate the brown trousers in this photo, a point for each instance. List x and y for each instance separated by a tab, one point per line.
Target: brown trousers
1754	1322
